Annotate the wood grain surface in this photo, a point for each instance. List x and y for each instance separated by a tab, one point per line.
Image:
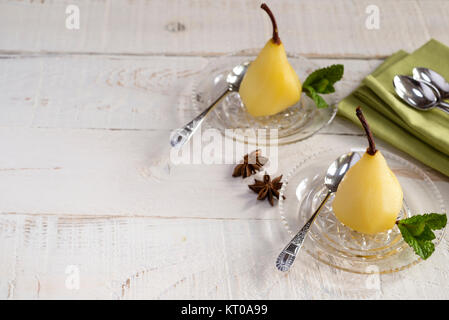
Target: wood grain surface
86	185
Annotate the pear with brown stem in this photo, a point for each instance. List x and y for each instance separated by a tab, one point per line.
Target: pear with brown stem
369	198
270	85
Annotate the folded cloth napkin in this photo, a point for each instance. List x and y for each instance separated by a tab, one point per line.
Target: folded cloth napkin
424	135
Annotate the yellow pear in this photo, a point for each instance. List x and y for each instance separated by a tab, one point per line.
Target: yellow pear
369	198
270	85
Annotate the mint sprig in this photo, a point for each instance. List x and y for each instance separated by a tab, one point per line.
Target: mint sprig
417	232
322	81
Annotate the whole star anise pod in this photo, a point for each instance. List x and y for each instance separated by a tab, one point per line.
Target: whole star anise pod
251	164
267	188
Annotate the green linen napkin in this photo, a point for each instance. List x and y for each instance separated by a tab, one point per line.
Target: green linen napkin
424	135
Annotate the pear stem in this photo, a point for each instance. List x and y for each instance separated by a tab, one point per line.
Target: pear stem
372	146
275	37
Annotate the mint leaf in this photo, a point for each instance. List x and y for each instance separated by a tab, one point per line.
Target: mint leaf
426	234
422	248
312	94
322	81
435	221
417	232
323	86
416	228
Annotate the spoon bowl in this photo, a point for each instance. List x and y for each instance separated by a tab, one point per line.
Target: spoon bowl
434	78
418	94
235	77
233	80
338	169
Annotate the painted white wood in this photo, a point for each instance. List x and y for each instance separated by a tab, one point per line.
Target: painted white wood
114	92
85	177
315	28
129	173
152	258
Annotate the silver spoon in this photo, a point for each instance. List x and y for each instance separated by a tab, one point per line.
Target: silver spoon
419	94
233	80
334	175
434	78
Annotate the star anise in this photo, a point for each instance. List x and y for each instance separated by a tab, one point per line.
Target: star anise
267	188
251	164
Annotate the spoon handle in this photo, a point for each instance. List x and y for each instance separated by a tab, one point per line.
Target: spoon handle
180	136
287	256
443	106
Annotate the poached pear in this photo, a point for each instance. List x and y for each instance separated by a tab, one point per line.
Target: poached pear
270	84
369	198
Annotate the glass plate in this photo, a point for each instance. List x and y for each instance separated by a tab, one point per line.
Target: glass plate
296	123
336	245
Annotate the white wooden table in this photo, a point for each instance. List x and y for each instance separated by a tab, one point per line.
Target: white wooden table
85	190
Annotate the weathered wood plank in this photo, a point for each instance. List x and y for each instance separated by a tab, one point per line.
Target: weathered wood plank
324	28
116	92
129	173
43	257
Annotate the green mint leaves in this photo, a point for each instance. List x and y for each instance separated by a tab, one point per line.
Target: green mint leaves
417	231
322	81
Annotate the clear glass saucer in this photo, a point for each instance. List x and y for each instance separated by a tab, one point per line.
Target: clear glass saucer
336	245
296	123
